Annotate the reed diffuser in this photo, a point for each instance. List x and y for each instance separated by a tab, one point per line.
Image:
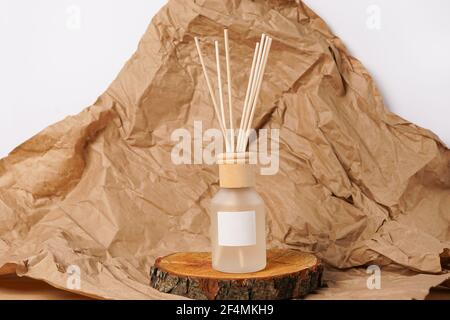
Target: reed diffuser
237	211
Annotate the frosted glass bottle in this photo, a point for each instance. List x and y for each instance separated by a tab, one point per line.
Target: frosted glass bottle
238	233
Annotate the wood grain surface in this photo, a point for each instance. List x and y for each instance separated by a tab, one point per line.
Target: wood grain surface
288	274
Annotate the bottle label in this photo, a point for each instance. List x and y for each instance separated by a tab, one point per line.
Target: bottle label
236	228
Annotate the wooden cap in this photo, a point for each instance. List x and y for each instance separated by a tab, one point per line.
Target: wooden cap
236	170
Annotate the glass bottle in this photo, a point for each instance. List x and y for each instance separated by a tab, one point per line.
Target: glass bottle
238	233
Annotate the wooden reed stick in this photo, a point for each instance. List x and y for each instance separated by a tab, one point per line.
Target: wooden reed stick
230	105
219	85
259	63
253	91
211	92
258	89
247	95
252	84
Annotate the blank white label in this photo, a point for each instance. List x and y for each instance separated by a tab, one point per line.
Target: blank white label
237	228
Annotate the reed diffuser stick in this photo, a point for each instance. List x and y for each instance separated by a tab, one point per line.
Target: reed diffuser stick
247	94
259	63
211	92
252	92
254	79
258	89
219	85
230	105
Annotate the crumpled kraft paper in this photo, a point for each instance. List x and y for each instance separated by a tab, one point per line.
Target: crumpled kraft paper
357	185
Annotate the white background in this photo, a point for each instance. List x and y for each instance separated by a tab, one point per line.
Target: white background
57	56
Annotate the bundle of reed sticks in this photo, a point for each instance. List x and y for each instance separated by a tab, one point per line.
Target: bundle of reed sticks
258	67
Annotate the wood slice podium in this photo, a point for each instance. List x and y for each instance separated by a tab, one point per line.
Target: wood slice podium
289	274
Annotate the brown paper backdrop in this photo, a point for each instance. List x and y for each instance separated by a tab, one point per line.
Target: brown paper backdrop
357	184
